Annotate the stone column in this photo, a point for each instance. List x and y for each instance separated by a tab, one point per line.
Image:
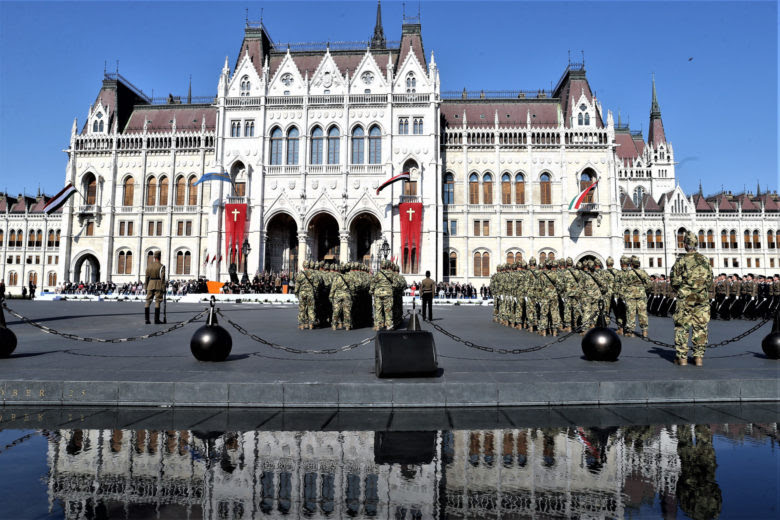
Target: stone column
302	251
344	246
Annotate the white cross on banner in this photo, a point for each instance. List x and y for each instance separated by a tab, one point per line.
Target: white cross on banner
235	224
411	231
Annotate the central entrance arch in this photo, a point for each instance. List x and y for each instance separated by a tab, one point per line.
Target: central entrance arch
365	233
86	269
324	232
281	248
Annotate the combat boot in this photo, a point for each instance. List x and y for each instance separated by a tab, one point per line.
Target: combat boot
301	327
698	361
644	333
554	332
333	326
157	317
620	330
347	327
543	333
146	315
681	361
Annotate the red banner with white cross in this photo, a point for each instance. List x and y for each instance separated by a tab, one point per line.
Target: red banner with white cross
235	222
410	214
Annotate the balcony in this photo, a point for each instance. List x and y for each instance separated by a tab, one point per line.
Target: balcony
124	209
234	199
365	168
411	198
324	168
242	101
588	207
367	99
326	100
411	99
155	209
185	209
289	169
89	209
282	101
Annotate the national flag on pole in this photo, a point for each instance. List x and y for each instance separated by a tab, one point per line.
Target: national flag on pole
576	202
214	176
206	261
400	177
59	199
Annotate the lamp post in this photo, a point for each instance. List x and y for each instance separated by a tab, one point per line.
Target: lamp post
245	249
384	249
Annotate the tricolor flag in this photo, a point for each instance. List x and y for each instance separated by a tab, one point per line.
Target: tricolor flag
400	177
215	176
59	199
206	261
576	202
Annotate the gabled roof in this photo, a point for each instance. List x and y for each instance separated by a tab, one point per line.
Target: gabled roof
188	118
119	96
701	204
630	147
664	198
510	113
6	202
770	202
24	204
626	204
747	204
723	203
411	42
308	61
571	86
650	204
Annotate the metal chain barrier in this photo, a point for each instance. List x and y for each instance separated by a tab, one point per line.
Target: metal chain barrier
76	337
291	350
499	350
712	345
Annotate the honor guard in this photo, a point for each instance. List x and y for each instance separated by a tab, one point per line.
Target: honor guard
155	286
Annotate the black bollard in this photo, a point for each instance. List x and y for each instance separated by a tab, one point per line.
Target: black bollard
601	343
414	319
7	336
211	342
771	343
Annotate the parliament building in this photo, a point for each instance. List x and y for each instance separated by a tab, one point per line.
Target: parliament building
307	133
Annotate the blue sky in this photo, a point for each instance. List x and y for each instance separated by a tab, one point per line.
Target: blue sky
715	64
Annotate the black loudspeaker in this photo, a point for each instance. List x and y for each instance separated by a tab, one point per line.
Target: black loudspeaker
404	447
405	353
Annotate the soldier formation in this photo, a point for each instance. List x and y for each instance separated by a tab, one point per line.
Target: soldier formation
556	296
341	295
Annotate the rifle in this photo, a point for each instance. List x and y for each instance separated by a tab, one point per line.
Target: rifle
165	295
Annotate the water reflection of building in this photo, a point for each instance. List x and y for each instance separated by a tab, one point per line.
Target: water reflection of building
564	473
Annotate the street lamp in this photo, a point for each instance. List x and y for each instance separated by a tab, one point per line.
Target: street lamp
245	249
384	249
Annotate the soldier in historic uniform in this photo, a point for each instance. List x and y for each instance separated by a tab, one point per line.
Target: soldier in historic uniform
691	275
307	285
155	286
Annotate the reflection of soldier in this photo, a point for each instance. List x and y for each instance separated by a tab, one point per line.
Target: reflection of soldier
307	284
154	285
691	275
697	489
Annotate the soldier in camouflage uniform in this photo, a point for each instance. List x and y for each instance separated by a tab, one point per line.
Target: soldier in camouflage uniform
634	283
549	316
592	290
307	285
691	275
399	286
519	293
495	293
610	275
382	290
570	294
530	298
341	292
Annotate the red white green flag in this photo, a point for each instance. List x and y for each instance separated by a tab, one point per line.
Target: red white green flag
576	202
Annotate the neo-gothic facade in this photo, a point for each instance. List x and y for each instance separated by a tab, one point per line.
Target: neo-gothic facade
307	132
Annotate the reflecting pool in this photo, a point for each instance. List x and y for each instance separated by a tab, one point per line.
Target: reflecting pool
572	463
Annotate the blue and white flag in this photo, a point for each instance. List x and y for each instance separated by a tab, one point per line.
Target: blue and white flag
215	176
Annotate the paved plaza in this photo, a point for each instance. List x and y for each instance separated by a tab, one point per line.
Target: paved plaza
48	369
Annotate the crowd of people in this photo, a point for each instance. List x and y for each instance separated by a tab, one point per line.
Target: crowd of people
262	283
456	290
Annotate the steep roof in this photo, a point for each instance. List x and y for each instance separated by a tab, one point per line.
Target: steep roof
626	204
723	203
570	87
411	42
771	202
119	96
160	117
308	61
630	146
701	204
24	204
747	204
511	113
650	204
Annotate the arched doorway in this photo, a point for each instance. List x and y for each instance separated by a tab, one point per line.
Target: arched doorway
86	269
585	258
238	174
365	238
281	247
324	233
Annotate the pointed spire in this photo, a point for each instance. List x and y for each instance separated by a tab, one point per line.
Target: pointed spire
701	192
758	189
226	67
655	109
378	41
189	92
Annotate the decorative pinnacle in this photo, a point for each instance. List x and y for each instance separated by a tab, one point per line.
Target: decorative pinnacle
378	41
655	109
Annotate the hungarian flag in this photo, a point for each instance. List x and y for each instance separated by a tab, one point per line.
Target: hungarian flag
57	201
576	202
400	177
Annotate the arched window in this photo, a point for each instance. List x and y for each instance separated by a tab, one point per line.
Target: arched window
333	145
2	237
124	264
90	188
292	146
510	257
756	240
473	189
710	240
733	239
724	239
448	195
128	190
770	239
150	256
19	238
13	279
545	189
183	259
49	238
52	279
542	257
587	119
519	189
487	189
579	119
411	83
586	179
680	238
451	264
358	145
636	239
100	126
31	238
650	243
39	238
151	191
748	245
276	146
33	278
506	189
550	256
95	126
374	145
12	239
245	86
702	243
639	194
180	190
316	145
57	239
481	264
192	191
627	239
659	239
163	189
